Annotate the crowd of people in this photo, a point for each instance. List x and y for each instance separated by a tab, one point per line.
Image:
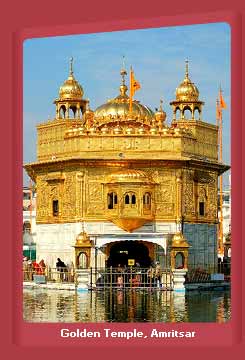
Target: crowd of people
123	276
62	272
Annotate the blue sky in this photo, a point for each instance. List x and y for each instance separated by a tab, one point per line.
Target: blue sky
157	56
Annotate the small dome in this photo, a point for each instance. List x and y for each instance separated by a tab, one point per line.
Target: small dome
129	176
179	240
187	90
71	89
83	240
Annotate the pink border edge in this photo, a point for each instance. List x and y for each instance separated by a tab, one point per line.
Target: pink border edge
212	335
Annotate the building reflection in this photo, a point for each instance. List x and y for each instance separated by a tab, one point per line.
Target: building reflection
131	305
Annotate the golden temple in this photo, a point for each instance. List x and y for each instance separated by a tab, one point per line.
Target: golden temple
126	175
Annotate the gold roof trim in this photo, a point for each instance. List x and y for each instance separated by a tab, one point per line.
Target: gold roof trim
57	175
129	176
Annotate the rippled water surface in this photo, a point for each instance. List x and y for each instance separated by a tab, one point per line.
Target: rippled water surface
125	306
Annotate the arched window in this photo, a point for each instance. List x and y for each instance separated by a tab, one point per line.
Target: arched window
82	261
55	207
196	114
177	114
179	261
187	112
62	112
127	199
202	208
74	111
202	201
130	199
111	200
147	200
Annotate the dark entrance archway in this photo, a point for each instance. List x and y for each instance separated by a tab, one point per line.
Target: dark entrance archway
122	251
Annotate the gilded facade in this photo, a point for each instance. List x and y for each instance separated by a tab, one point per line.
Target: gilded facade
122	174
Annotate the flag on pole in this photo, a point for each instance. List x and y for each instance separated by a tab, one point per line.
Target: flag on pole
218	110
134	86
222	101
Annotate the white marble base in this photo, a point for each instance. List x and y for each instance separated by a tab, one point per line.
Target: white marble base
179	279
82	279
58	240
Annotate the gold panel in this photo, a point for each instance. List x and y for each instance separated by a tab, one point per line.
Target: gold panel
129	224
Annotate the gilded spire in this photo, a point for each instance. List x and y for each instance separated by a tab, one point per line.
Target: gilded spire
123	86
186	69
161	102
123	72
71	66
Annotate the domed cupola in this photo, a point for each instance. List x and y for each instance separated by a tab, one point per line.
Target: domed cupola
71	89
70	103
187	91
187	101
117	111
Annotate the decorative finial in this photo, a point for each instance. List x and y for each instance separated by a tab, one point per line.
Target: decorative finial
161	102
123	62
186	68
123	72
71	66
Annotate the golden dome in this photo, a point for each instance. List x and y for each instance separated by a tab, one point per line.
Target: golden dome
119	107
129	176
83	240
179	240
71	89
187	91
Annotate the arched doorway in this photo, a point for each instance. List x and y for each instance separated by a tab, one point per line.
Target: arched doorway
122	251
82	261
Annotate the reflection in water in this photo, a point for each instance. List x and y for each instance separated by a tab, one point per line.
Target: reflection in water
126	306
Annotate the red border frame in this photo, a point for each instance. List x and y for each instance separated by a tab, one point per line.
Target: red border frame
23	339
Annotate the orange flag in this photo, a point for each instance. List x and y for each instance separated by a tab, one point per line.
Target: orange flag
222	101
134	84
